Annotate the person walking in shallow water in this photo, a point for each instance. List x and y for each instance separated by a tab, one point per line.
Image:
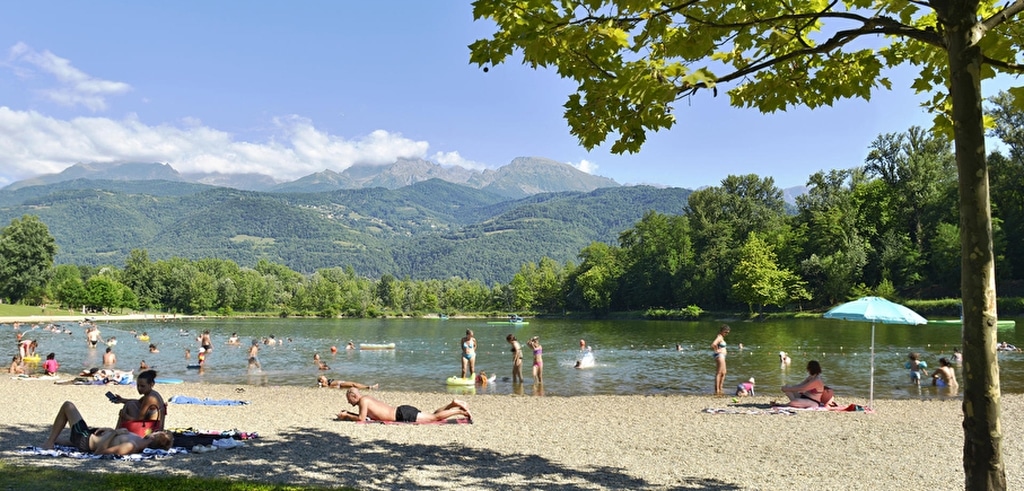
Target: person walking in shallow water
517	359
719	352
538	360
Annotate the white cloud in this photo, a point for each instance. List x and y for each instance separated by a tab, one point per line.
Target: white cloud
76	88
453	158
33	144
585	166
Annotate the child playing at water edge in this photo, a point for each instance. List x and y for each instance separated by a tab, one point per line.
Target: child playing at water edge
917	368
50	366
538	359
16	366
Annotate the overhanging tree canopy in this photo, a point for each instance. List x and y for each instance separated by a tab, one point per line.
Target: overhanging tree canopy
633	59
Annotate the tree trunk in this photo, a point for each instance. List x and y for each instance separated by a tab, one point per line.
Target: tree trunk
983	461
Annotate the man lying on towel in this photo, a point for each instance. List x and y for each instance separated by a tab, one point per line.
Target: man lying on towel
378	410
102	441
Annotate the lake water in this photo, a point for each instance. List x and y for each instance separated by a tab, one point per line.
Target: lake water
633	357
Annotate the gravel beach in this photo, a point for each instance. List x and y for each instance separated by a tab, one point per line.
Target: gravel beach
529	442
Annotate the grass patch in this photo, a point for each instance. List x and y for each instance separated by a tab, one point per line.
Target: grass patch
18	310
30	478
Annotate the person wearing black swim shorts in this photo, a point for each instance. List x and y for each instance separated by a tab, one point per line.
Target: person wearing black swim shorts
377	410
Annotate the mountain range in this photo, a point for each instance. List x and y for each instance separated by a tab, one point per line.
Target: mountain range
522	177
412	218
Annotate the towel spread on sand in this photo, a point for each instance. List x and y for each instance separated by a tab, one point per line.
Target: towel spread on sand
453	421
62	451
35	377
205	401
852	408
787	411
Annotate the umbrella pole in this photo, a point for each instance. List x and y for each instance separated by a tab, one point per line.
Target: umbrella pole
871	393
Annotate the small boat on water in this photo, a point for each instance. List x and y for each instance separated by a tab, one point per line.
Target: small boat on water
376	346
1000	324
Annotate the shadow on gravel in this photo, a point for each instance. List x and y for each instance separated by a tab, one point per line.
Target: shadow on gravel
318	458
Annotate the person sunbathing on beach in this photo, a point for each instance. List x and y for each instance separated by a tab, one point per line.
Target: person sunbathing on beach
378	410
102	441
323	381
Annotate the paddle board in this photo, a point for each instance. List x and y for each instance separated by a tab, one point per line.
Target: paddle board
374	346
169	380
470	380
496	323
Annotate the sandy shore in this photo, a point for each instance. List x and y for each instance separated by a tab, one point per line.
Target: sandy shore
593	442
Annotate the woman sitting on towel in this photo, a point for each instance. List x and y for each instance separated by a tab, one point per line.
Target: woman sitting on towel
147	414
808	393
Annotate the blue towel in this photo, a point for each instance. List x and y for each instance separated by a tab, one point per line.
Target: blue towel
206	401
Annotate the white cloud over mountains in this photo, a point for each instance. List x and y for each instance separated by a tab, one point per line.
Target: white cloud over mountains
32	144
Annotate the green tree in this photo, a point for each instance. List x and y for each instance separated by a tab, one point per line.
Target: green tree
67	287
758	279
598	275
139	274
1007	179
26	255
720	220
918	170
102	292
632	60
658	261
834	250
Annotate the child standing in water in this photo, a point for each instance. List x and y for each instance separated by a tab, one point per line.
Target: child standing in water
517	359
917	368
538	359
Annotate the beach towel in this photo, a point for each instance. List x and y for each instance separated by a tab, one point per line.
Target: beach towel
36	377
72	452
787	411
451	421
205	401
852	408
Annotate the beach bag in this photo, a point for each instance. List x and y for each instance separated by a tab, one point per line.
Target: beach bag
827	397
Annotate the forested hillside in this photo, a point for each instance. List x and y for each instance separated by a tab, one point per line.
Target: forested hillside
431	229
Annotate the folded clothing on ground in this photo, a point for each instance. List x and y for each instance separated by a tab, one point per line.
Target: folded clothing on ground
190	437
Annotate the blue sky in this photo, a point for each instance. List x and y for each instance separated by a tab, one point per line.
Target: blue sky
292	88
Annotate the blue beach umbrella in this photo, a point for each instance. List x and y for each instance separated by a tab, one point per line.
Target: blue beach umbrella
875	310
